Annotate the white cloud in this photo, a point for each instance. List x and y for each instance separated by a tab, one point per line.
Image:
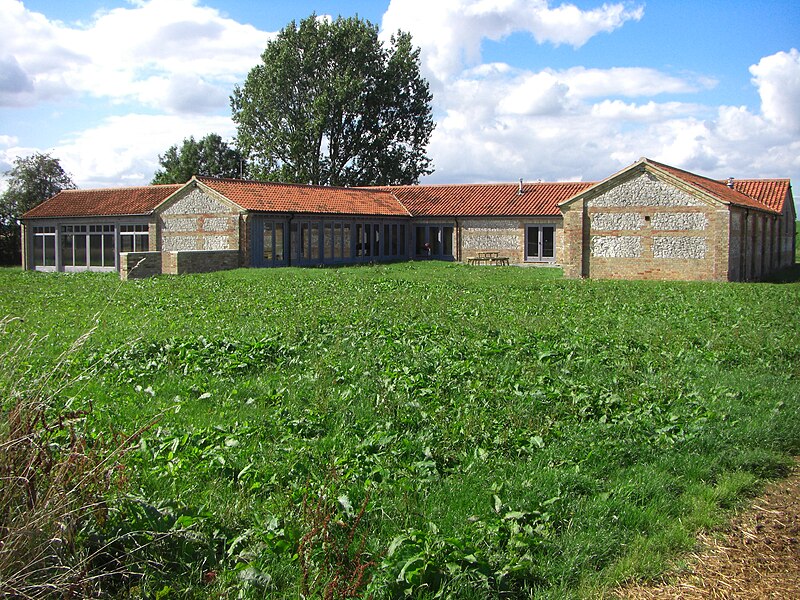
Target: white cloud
617	110
539	94
502	124
120	53
124	150
451	32
629	81
778	80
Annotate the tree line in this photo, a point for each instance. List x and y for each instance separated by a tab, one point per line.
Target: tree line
328	104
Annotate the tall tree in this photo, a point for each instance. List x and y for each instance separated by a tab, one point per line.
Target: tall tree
210	156
330	104
31	181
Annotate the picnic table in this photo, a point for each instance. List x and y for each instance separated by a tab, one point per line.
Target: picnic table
489	258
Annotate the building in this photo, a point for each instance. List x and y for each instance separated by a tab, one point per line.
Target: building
648	221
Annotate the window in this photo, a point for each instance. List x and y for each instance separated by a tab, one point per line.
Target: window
435	241
422	246
279	243
269	250
447	241
315	241
134	238
74	243
540	243
337	241
44	246
102	252
328	240
347	240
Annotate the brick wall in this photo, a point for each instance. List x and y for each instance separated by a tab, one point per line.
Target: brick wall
138	265
198	261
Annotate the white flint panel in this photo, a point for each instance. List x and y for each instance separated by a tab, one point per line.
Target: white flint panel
173	243
216	224
679	247
215	242
617	246
473	240
490	233
180	224
644	190
680	221
617	221
196	202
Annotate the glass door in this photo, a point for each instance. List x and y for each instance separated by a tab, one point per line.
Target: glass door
540	243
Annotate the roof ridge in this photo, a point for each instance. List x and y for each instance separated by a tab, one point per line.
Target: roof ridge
123	187
286	184
758	179
480	184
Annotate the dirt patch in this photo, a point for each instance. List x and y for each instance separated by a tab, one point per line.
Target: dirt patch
757	557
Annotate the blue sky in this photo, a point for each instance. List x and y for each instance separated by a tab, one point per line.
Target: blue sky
522	88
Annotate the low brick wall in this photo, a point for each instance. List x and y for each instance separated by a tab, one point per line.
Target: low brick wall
138	265
198	261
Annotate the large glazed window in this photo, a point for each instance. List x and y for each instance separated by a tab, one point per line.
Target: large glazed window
74	242
134	238
434	241
102	252
44	246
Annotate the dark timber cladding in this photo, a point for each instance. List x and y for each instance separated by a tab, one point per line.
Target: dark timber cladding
648	221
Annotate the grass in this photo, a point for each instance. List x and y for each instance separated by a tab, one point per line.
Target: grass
423	428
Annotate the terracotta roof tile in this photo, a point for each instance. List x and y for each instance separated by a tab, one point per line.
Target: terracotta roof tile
484	200
718	189
772	192
103	202
283	197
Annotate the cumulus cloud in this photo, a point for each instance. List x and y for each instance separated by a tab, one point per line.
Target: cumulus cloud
15	84
777	78
124	150
499	121
452	31
121	52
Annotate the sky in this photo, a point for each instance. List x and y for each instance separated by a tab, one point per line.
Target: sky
532	89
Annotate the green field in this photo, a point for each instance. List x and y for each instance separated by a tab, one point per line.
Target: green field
414	429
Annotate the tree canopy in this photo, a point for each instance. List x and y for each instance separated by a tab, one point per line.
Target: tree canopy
330	104
210	156
31	181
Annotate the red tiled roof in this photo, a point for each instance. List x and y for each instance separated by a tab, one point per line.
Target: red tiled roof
263	196
772	192
485	200
103	202
718	189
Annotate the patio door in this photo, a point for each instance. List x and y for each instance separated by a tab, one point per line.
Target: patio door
540	243
269	243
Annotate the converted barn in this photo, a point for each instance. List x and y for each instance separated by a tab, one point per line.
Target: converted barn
648	221
653	221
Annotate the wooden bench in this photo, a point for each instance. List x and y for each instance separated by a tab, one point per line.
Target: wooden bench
489	258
